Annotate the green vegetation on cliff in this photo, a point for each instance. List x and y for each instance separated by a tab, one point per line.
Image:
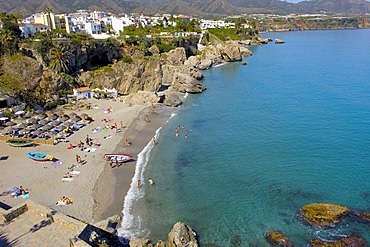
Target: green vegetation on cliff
232	33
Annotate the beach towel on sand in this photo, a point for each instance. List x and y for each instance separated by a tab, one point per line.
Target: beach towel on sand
25	196
67	179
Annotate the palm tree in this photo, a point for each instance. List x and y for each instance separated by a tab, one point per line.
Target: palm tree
59	59
48	11
7	38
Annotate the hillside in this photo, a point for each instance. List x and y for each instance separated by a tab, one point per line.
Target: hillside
190	7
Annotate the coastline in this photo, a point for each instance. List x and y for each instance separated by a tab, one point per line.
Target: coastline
44	181
114	183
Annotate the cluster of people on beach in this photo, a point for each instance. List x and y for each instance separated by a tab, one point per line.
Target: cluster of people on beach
24	193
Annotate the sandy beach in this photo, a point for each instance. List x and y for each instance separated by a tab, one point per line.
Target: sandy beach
99	190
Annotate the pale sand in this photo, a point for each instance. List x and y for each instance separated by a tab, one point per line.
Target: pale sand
93	200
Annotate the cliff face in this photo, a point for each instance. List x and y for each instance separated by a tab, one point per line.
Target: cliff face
173	70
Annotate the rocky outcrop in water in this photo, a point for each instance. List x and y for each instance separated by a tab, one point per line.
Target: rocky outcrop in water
323	214
279	41
344	242
182	235
361	216
229	51
278	239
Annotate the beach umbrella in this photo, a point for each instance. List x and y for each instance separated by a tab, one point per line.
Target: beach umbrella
84	115
30	128
76	119
10	123
22	126
47	127
18	113
37	132
64	118
52	133
3	118
68	124
59	112
23	131
35	126
28	115
44	121
53	117
9	129
55	123
32	120
42	116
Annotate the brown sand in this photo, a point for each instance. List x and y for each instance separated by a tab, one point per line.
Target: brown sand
114	183
98	191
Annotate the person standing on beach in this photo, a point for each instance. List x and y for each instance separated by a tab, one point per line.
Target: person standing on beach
138	184
153	140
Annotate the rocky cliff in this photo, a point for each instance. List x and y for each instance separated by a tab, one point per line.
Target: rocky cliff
164	75
173	71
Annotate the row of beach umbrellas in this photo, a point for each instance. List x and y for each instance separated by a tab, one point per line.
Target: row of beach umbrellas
24	122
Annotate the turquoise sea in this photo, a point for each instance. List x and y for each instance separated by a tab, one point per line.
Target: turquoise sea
290	128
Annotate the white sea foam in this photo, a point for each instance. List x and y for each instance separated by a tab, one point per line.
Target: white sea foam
131	226
219	65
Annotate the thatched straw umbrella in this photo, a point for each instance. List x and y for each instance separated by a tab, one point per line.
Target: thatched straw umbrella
10	123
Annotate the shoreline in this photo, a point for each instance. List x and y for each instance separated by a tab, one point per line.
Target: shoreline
114	183
44	180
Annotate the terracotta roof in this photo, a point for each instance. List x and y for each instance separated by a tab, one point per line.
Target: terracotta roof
82	89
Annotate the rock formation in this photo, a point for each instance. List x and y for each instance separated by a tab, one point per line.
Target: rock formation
344	242
323	214
279	41
278	239
173	71
361	216
182	235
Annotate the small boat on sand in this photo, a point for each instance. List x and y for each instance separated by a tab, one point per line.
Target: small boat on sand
40	156
19	142
121	158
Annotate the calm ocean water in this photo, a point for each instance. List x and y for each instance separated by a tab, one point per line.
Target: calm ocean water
290	128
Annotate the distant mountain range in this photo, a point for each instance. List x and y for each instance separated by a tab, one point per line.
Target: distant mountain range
206	8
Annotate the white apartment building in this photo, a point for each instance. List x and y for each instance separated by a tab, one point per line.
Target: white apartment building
118	23
97	15
205	24
93	28
30	29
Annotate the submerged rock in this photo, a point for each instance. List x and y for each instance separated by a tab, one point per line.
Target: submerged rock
323	214
182	235
278	239
344	242
361	216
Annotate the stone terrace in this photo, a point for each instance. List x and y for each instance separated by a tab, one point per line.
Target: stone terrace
31	224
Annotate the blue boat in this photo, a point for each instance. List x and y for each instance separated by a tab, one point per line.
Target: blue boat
40	156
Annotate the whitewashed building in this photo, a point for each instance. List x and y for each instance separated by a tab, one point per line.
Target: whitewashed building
82	93
30	29
93	28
